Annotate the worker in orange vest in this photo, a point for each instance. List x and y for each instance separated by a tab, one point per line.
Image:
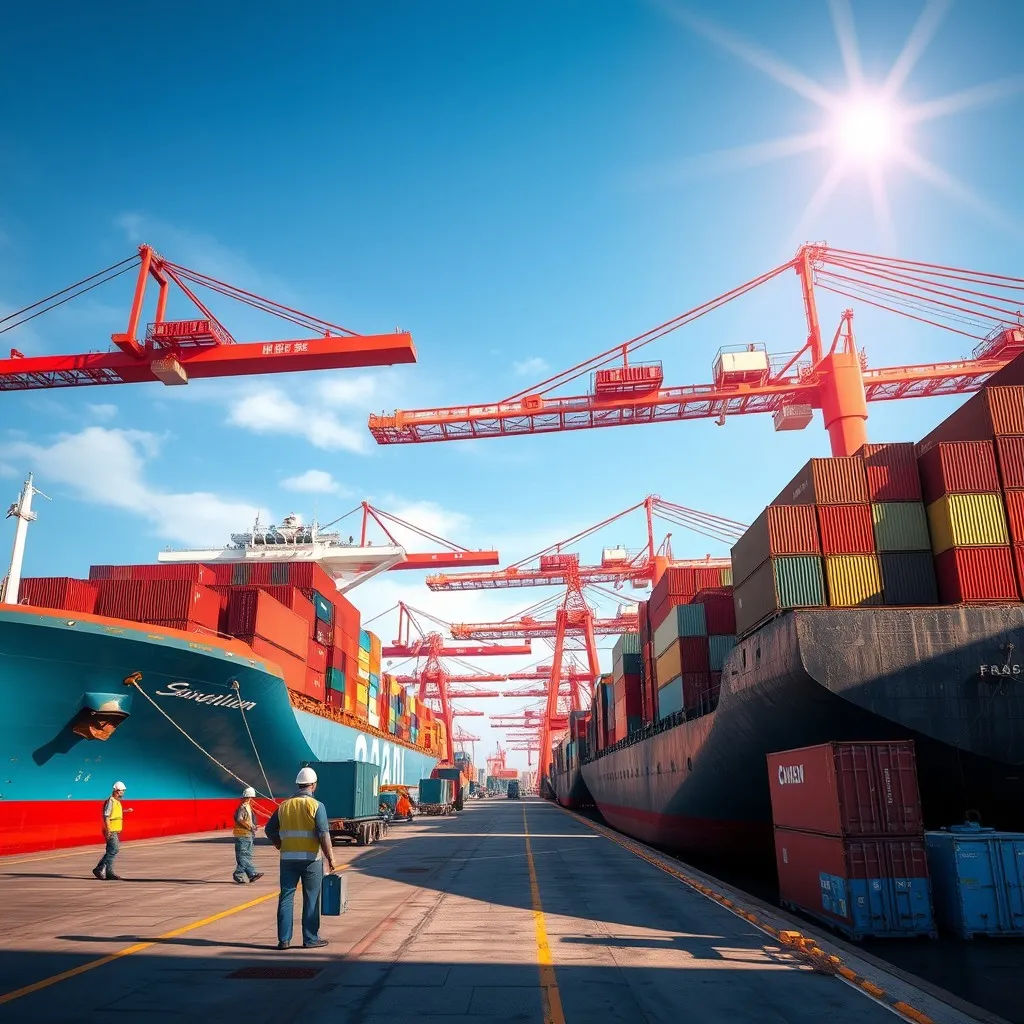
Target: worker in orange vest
113	822
245	836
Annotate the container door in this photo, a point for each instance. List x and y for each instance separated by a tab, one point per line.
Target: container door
911	904
978	890
1011	860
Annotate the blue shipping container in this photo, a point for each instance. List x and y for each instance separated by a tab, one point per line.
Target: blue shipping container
978	879
670	698
374	680
888	907
718	649
322	607
364	640
348	789
336	680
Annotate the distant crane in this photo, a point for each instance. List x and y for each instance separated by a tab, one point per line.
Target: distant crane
982	306
177	351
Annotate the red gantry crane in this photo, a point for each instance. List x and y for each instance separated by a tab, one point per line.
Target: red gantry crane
569	686
176	351
746	379
452	556
431	676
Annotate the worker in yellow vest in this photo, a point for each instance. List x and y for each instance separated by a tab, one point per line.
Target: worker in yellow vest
113	821
245	836
299	829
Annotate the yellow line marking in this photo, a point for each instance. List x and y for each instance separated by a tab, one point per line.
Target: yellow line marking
550	995
129	950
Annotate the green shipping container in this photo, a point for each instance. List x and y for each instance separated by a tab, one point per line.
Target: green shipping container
348	789
322	607
628	643
900	526
336	680
690	620
718	649
727	577
781	583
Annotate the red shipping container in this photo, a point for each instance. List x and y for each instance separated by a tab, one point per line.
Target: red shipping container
629	693
295	600
336	658
311	575
255	612
98	573
222	572
958	467
336	699
323	632
826	482
293	669
180	600
847	789
976	575
803	857
60	592
121	599
694	655
1014	501
1010	456
713	690
996	409
695	685
846	530
193	572
778	530
315	687
891	472
719	611
316	657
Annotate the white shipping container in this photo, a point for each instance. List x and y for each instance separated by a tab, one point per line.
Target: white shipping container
741	367
666	633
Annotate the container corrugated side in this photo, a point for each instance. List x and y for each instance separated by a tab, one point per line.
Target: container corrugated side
691	620
854	581
778	530
694	654
891	472
1010	456
847	789
719	612
973	420
839	481
900	526
908	578
977	575
846	529
627	643
789	581
1006	409
670	698
718	650
669	663
967	520
958	467
978	881
60	592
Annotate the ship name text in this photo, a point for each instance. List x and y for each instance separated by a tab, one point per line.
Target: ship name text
791	774
224	700
1000	670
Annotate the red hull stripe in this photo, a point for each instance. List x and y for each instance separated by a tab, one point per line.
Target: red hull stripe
28	826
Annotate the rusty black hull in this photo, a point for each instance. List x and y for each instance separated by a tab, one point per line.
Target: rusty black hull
949	678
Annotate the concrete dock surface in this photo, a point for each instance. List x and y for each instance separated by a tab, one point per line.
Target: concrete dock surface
510	911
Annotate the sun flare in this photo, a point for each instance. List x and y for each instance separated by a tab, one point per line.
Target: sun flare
866	129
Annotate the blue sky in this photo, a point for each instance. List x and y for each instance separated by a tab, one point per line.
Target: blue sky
517	185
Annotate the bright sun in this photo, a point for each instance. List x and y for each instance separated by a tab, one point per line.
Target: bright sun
866	129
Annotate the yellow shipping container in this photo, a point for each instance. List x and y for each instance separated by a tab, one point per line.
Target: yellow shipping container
364	662
853	580
967	521
669	665
362	693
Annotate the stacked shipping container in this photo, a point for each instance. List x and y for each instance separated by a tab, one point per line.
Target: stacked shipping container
849	837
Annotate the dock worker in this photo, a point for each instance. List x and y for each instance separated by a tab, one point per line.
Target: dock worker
113	822
245	836
299	829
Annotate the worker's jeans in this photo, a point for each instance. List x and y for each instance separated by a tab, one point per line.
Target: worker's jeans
311	874
244	866
106	864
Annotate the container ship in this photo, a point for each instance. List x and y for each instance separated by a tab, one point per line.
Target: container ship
188	680
878	597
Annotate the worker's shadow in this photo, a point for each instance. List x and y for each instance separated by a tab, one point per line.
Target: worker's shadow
178	941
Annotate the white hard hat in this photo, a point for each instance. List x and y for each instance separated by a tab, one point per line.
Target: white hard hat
120	785
248	792
306	777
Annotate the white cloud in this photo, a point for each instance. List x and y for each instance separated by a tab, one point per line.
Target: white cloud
270	410
107	467
533	365
103	411
313	481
